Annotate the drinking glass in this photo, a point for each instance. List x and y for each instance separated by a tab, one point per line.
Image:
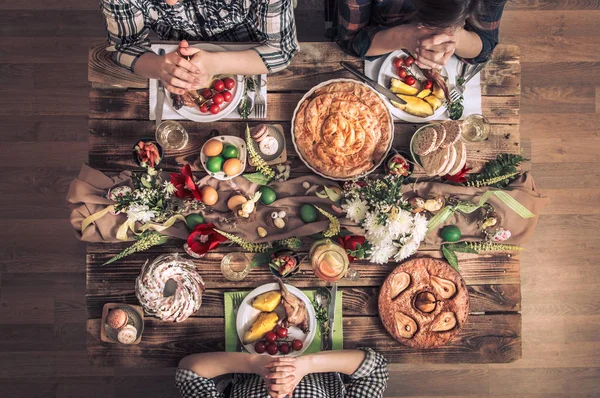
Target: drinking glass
171	135
330	262
475	128
235	266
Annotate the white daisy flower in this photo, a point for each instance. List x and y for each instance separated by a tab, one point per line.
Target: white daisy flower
140	213
401	224
169	188
409	248
419	228
356	210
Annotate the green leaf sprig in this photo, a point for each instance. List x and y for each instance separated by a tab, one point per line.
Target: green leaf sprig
145	241
498	172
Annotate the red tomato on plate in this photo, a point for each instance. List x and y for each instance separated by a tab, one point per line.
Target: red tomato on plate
229	83
227	96
398	62
214	109
218	85
410	80
218	99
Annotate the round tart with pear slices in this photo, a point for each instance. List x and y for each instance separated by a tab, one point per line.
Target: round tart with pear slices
423	303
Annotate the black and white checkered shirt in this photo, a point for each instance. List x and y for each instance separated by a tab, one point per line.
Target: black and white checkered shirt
268	22
369	381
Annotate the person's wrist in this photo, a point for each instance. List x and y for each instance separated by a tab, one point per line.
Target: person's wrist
399	35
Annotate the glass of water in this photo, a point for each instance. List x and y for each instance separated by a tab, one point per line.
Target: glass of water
171	135
475	128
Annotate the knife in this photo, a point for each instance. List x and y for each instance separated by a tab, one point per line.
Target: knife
376	86
332	314
160	96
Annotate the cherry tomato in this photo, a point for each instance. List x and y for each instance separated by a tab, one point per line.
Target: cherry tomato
229	83
402	73
218	85
281	332
204	108
408	61
260	347
207	93
272	349
214	109
218	99
297	345
284	348
398	62
428	85
410	80
271	337
227	96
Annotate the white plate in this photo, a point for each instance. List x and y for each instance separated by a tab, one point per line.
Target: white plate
226	108
239	143
308	94
387	71
248	314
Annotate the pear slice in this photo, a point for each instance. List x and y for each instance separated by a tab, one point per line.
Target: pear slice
399	283
443	287
444	322
405	325
425	302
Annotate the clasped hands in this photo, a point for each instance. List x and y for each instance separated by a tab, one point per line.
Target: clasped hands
432	50
186	68
281	374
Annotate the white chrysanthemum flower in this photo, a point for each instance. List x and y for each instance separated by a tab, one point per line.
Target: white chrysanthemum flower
140	213
401	224
375	231
169	188
419	229
380	254
409	248
356	210
152	171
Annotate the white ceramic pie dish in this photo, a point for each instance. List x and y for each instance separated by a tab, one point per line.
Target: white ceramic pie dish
308	94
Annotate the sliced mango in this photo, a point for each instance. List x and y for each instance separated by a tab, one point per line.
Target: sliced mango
267	302
415	106
423	93
265	322
438	92
434	101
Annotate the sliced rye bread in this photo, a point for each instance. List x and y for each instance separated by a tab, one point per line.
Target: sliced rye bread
453	132
436	161
425	142
451	160
441	135
461	158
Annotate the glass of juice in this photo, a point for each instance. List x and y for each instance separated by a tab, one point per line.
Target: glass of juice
475	128
171	135
329	260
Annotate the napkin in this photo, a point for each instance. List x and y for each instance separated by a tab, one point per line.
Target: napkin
171	114
231	337
472	97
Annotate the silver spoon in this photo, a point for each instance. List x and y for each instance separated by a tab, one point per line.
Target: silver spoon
323	298
246	106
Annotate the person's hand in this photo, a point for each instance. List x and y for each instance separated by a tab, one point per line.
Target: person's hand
283	379
177	74
262	364
203	61
409	35
433	52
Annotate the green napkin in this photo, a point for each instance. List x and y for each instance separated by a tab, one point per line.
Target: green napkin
231	337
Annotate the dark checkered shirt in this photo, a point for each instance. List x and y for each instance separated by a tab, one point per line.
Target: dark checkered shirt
359	20
268	22
369	381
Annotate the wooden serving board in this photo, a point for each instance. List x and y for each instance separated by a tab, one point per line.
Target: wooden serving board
118	116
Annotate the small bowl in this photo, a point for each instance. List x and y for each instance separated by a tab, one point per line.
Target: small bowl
239	143
406	156
288	253
136	158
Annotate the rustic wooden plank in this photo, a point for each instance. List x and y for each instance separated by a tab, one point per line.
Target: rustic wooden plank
553	5
548	23
490	268
44	23
485	338
502	74
111	142
357	301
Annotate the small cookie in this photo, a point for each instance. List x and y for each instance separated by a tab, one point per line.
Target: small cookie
425	142
441	136
453	132
259	132
127	335
436	162
461	158
116	318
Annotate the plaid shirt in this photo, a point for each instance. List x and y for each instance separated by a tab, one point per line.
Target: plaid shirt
268	22
369	381
359	20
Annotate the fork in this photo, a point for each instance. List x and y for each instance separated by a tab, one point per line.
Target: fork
459	89
236	300
259	101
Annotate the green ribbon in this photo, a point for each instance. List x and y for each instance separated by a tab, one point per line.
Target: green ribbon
468	208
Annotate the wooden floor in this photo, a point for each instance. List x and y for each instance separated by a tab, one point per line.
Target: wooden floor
43	132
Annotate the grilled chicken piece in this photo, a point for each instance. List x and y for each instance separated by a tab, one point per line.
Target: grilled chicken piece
295	310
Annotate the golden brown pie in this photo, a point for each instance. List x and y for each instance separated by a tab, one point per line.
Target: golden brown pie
423	303
343	129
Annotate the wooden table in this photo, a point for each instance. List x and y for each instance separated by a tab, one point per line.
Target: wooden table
118	117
